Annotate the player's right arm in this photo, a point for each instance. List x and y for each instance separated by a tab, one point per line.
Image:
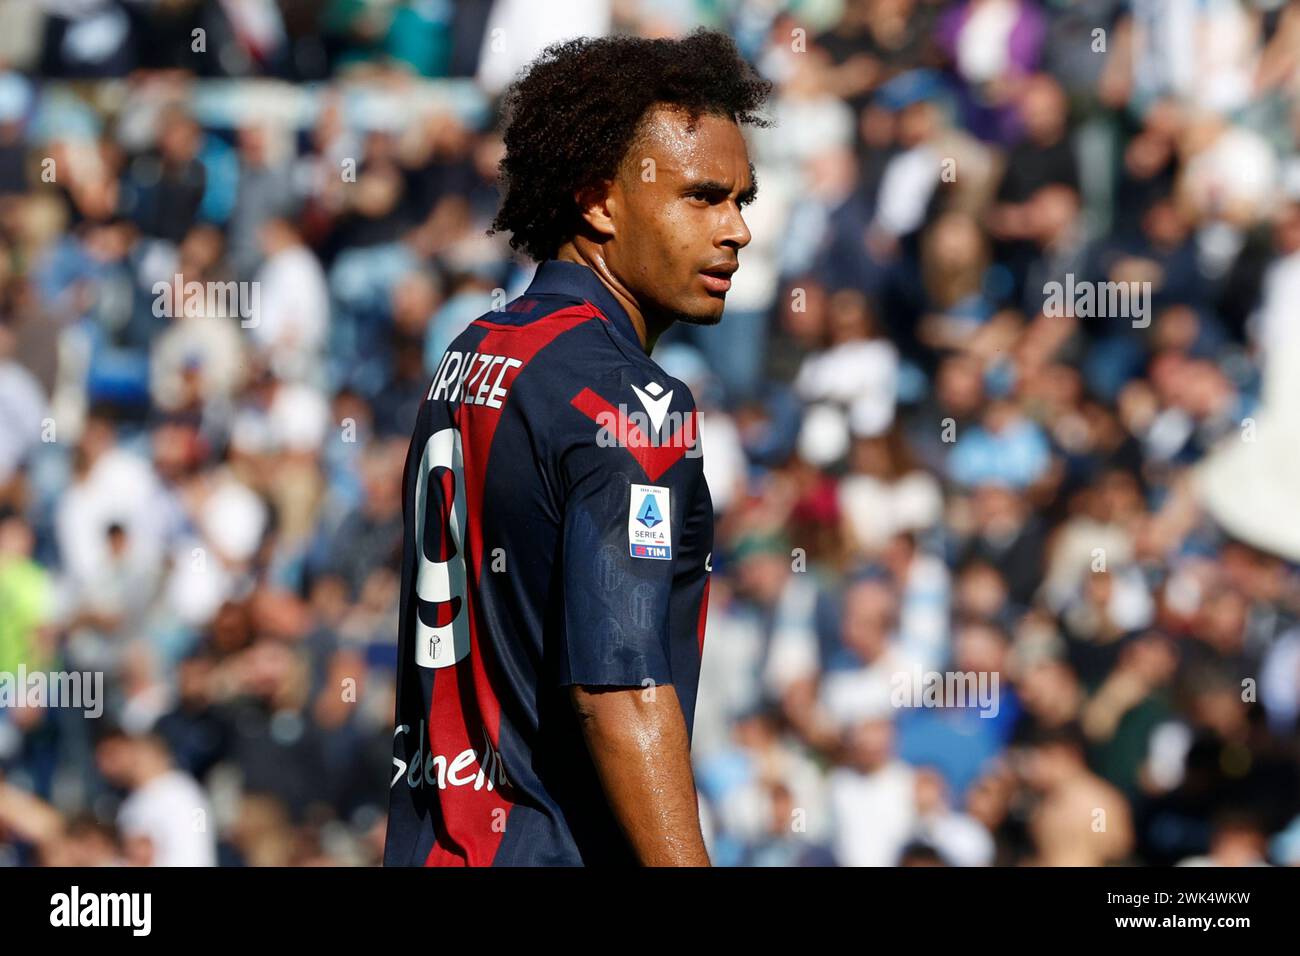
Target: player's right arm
638	743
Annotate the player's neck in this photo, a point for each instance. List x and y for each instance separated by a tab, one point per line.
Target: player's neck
647	329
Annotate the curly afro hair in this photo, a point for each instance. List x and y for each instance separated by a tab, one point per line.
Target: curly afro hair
571	118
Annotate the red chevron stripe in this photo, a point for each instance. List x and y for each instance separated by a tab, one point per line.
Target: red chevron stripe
653	459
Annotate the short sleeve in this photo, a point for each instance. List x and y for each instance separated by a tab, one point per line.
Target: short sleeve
622	525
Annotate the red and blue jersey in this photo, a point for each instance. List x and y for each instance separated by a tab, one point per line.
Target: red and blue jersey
558	532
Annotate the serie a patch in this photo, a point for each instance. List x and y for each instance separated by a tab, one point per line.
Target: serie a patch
649	523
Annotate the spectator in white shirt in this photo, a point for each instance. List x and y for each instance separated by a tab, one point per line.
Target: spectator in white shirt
872	797
292	306
166	820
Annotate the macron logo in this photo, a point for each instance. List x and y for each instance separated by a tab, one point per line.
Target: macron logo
655	405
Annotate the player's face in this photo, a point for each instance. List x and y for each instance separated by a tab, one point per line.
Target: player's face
676	212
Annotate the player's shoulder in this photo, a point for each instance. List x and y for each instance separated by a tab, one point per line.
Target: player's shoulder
607	407
586	351
599	371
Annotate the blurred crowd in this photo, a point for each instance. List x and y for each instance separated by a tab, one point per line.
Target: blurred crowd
917	466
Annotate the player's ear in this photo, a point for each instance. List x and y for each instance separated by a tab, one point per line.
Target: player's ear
595	207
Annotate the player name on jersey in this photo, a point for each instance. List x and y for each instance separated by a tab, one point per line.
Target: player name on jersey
472	378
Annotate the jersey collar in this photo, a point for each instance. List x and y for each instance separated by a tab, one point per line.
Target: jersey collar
559	277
